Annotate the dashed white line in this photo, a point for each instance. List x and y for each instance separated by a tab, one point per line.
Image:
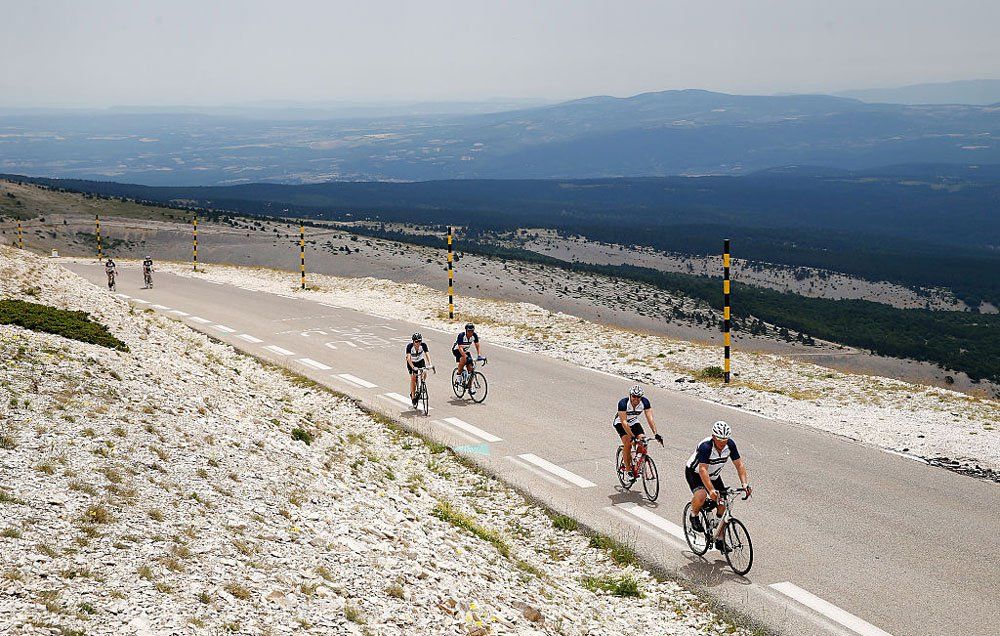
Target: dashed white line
278	350
531	469
163	307
469	428
558	471
199	319
309	362
653	519
123	295
831	611
464	436
249	338
179	312
396	397
353	379
140	301
223	328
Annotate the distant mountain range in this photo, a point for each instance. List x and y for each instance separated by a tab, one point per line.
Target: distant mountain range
689	132
977	92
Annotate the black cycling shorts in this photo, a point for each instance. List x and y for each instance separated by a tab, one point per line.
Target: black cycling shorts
458	355
417	364
636	429
694	480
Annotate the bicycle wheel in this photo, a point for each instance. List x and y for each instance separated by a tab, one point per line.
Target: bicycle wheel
650	479
478	387
740	549
456	383
624	479
697	541
423	401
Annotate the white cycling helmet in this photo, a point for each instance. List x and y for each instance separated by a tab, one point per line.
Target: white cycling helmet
721	430
636	391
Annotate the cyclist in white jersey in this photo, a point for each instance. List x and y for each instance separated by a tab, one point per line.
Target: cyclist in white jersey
703	472
112	271
417	357
627	422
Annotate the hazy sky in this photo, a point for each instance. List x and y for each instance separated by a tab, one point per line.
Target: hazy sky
103	52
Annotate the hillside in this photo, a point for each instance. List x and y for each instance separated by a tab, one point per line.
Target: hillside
183	486
980	91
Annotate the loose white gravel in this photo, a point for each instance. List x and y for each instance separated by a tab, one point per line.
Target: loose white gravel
160	491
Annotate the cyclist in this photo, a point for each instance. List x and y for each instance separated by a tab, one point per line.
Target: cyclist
147	271
704	469
466	339
417	357
112	271
627	422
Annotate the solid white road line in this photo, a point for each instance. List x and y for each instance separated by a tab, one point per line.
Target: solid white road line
178	312
309	362
164	308
399	398
469	428
199	319
224	328
558	471
249	338
531	469
141	301
123	295
353	379
278	350
653	519
736	408
831	611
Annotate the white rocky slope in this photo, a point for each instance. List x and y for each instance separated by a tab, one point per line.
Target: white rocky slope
958	430
160	490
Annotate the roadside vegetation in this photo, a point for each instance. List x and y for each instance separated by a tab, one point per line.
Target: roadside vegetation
75	325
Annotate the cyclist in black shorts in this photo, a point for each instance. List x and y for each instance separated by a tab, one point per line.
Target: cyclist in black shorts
466	339
627	422
417	357
704	469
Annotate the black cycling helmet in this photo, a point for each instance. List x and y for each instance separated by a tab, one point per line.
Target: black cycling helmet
416	336
470	327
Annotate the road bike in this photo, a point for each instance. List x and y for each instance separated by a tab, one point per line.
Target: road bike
423	400
472	382
147	276
112	276
735	536
642	466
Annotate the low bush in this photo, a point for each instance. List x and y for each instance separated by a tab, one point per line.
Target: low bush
75	325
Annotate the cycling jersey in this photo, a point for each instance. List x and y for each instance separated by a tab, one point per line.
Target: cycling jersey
147	264
632	413
707	453
464	342
416	352
109	267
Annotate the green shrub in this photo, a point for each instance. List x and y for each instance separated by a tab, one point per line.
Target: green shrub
624	586
302	435
75	325
712	373
562	522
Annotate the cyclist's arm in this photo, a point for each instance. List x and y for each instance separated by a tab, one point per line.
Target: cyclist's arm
706	481
409	360
649	418
741	470
625	426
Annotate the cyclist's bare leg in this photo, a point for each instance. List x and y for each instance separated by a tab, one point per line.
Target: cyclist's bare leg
627	452
698	500
413	385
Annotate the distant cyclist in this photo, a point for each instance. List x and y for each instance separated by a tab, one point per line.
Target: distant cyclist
704	469
417	357
112	271
147	271
627	423
466	339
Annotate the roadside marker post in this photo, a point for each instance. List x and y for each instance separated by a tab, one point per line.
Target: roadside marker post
302	254
194	227
20	238
97	221
451	277
726	323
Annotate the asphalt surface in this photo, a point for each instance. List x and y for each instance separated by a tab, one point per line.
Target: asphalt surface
848	539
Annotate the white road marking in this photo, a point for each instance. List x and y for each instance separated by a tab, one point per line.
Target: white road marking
309	331
531	469
831	611
309	362
905	455
123	295
399	398
224	328
178	312
140	300
736	408
160	307
278	350
459	434
199	319
389	328
558	471
653	519
249	338
469	428
610	375
353	379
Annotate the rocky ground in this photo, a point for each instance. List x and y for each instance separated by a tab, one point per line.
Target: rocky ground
182	487
947	427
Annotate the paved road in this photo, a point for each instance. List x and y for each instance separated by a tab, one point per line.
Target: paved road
848	539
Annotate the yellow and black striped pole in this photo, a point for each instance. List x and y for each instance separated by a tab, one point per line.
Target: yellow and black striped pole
726	324
97	221
451	278
194	229
20	238
302	254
